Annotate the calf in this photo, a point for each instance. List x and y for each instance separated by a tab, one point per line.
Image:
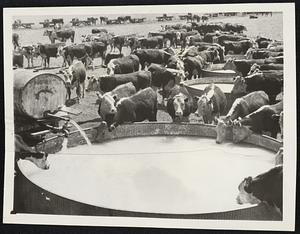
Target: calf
29	53
240	108
107	102
266	187
180	104
23	151
211	104
263	119
123	65
75	77
137	108
140	79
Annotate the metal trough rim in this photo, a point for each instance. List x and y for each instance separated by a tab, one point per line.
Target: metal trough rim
160	129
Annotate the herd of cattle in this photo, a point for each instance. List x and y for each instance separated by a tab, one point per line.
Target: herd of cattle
129	92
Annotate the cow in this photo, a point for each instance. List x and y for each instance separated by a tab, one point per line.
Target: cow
61	35
194	65
96	49
152	42
164	78
79	51
275	43
110	56
228	37
191	40
241	67
140	79
75	76
148	56
265	67
263	42
261	54
46	51
180	103
107	102
214	46
29	52
211	104
118	42
264	119
278	59
25	152
237	47
136	108
99	30
175	62
270	82
240	108
266	187
15	40
123	65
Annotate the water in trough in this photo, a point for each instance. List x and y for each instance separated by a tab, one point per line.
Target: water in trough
158	174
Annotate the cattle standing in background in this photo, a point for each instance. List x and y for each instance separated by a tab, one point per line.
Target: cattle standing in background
15	40
137	108
107	101
270	82
265	67
96	49
152	42
23	151
263	42
30	52
61	35
152	56
118	42
261	53
123	65
140	79
266	187
237	47
211	104
47	51
79	51
75	77
180	104
262	120
99	30
240	108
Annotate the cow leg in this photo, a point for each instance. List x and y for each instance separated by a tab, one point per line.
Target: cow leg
48	61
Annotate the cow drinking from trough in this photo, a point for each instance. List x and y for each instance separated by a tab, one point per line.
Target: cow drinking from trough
240	108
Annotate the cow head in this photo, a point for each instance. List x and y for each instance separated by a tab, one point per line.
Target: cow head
240	132
40	160
107	104
205	106
222	125
239	86
245	192
254	68
93	83
179	103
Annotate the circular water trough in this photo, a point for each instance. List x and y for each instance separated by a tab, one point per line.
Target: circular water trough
32	197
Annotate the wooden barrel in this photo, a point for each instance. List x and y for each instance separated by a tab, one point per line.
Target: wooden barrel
37	92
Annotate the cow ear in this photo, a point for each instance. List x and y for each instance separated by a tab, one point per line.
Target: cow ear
248	184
